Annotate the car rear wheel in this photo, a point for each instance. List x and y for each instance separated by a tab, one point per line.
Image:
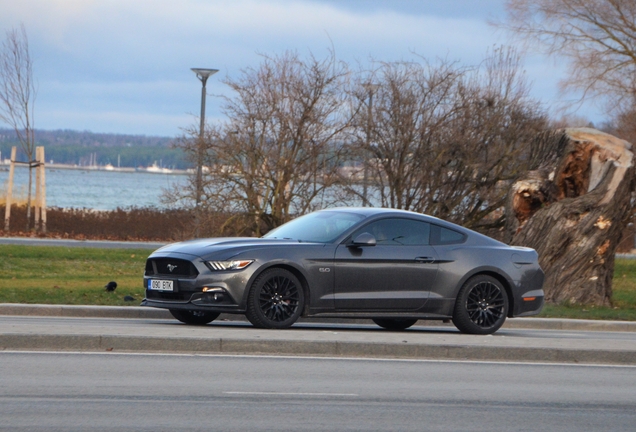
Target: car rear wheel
276	299
481	306
395	323
194	317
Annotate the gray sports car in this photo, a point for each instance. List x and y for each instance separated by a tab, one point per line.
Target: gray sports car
392	266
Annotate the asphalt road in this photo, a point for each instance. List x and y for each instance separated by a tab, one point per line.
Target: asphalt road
109	391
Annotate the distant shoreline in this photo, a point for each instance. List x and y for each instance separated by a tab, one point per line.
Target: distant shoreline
4	166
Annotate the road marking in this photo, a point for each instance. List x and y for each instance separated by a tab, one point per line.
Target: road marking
252	393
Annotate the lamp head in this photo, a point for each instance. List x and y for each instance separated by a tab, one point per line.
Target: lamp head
204	74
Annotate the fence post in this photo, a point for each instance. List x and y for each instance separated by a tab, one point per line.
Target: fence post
7	209
38	192
42	201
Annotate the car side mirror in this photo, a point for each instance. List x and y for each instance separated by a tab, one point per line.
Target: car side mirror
364	239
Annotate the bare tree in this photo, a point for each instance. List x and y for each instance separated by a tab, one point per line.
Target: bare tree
278	153
598	37
17	96
624	125
397	144
447	140
441	139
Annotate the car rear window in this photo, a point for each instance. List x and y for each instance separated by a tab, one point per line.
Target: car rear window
445	236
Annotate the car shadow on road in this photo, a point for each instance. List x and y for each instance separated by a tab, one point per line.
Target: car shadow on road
322	326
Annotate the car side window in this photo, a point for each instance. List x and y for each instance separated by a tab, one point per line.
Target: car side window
445	236
397	231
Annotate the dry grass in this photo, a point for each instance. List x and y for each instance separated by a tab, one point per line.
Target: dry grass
143	224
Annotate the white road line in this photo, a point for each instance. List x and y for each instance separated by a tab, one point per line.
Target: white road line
288	394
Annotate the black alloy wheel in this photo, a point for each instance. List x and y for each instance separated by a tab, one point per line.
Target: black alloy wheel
481	306
194	317
276	299
395	323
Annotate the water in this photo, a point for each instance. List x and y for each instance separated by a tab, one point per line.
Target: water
100	190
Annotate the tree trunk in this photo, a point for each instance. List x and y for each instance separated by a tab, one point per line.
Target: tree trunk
573	208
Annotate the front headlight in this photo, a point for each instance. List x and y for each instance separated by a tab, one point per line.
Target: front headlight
229	265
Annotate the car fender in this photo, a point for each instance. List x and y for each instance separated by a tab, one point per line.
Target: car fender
296	269
507	281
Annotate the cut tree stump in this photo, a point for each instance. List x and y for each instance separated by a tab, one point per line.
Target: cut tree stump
572	208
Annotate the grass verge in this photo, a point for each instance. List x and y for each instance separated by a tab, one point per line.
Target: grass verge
76	276
623	299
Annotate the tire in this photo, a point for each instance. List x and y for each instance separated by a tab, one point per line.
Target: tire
395	323
276	299
481	306
194	317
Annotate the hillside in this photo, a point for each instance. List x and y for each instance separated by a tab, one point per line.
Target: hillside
86	148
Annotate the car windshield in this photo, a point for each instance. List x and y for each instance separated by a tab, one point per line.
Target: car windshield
321	227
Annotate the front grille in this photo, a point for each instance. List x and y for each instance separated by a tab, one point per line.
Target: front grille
170	267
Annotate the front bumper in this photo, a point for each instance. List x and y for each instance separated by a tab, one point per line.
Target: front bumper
193	294
193	306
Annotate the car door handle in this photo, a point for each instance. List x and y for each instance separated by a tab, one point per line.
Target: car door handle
426	260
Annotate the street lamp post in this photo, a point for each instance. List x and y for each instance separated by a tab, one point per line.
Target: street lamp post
370	88
203	75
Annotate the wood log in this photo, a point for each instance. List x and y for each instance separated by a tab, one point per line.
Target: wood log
572	208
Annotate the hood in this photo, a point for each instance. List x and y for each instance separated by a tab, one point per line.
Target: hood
232	245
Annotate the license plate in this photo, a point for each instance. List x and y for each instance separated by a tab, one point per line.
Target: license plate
160	285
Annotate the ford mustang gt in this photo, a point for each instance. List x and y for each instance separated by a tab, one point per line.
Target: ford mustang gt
392	266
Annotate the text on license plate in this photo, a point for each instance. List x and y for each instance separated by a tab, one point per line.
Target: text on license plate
160	285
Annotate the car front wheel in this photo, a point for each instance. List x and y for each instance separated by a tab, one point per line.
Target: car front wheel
481	306
194	317
395	323
276	299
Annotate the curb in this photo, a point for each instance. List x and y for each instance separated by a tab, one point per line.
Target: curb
139	312
84	311
101	343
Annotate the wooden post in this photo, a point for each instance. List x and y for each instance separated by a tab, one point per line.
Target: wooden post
7	210
38	192
42	188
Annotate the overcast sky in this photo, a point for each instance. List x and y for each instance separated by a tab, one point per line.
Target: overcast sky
123	66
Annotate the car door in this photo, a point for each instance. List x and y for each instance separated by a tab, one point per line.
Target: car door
395	274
